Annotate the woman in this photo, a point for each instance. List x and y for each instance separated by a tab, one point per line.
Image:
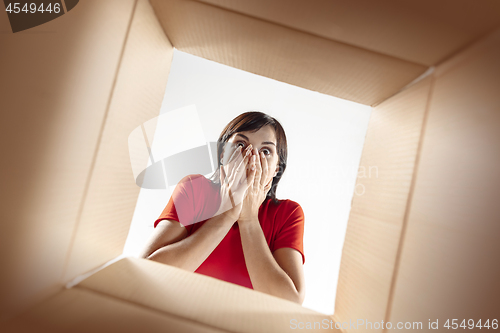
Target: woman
232	227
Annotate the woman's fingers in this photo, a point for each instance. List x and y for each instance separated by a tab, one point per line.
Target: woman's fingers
242	168
231	153
258	170
222	175
226	163
251	172
233	165
265	169
238	172
240	164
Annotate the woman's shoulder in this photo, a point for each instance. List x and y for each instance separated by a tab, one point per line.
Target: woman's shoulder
285	213
192	177
286	206
195	178
288	203
196	183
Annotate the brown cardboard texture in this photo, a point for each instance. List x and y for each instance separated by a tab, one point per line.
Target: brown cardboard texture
421	244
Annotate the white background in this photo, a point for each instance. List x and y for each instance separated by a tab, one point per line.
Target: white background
325	139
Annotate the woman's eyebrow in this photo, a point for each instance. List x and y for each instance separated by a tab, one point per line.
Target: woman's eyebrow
243	136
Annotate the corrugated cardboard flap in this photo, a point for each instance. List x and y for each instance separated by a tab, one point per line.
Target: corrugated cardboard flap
82	311
284	54
198	298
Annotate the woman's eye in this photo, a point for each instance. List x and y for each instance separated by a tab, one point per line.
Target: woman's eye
240	144
266	151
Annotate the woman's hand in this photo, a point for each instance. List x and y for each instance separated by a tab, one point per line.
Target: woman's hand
234	183
258	186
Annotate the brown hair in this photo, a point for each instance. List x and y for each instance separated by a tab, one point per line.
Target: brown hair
253	121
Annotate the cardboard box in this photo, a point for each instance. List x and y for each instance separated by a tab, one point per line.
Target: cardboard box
422	243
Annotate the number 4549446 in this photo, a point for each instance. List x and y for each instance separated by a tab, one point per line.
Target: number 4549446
470	324
33	8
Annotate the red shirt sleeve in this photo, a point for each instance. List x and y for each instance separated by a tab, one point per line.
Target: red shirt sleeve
193	200
291	233
181	207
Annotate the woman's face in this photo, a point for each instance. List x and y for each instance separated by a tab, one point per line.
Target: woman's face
262	141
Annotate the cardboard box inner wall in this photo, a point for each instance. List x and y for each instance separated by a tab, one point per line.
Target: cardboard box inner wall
421	243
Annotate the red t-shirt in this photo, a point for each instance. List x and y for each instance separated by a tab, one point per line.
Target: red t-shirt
196	199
